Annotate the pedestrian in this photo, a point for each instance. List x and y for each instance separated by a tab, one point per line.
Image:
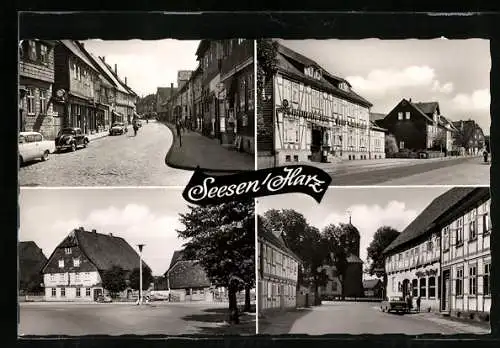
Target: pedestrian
136	128
485	155
418	304
178	129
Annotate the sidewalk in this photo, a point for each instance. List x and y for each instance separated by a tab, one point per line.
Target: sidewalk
462	326
99	135
208	154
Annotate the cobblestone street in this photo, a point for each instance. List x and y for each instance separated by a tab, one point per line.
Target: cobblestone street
122	160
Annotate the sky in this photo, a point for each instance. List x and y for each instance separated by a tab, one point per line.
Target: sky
453	72
147	64
148	216
370	207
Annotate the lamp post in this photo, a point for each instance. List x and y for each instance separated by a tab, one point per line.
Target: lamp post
140	246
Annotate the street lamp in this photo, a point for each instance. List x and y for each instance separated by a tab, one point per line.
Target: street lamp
140	246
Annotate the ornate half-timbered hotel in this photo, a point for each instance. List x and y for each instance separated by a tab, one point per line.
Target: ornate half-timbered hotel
278	272
444	255
317	116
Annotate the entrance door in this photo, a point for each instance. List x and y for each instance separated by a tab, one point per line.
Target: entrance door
282	297
97	293
445	298
316	142
406	287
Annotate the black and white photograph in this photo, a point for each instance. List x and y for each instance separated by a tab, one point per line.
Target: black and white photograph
377	112
134	112
414	260
130	261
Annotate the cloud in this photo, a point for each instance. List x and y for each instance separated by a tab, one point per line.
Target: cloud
136	224
368	218
477	100
381	81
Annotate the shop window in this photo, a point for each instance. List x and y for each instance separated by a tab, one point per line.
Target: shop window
423	287
432	287
472	280
459	282
486	280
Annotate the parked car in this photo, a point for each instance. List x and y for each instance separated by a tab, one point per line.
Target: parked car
394	304
33	146
104	299
70	139
118	128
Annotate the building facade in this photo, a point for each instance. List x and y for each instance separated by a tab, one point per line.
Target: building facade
278	273
419	126
31	261
36	79
466	256
312	115
470	136
75	269
426	261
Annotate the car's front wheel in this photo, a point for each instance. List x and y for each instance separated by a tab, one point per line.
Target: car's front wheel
45	155
85	143
73	147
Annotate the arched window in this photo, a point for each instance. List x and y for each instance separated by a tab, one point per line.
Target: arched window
414	287
423	287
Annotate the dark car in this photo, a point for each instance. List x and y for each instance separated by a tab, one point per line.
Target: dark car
394	304
118	128
70	139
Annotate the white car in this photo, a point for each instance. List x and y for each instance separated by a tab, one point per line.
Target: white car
33	146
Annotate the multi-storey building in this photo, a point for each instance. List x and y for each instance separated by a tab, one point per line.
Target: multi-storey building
470	136
419	126
36	78
466	255
75	77
74	270
377	141
196	91
278	272
165	103
414	260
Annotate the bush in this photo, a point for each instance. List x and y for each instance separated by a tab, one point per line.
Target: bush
391	146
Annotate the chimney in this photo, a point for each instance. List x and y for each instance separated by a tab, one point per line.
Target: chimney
409	100
125	80
81	228
94	231
111	234
116	69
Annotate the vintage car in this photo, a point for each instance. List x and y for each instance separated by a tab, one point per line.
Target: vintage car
70	139
33	146
118	128
394	304
104	299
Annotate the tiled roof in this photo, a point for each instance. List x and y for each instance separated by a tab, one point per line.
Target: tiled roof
427	218
187	274
293	63
77	51
374	116
177	256
278	242
107	71
427	107
31	260
370	283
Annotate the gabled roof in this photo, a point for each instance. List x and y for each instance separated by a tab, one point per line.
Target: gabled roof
103	250
31	261
187	274
202	47
177	256
79	51
371	283
278	242
427	107
106	69
374	126
426	220
374	116
292	63
354	259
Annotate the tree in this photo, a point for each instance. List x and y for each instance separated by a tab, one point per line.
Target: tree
267	62
439	142
391	146
343	240
147	278
468	135
113	280
222	238
384	236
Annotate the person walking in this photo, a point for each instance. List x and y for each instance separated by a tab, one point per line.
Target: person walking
485	155
136	127
418	304
178	129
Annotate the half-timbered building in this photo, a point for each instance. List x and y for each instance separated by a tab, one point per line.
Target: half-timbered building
312	115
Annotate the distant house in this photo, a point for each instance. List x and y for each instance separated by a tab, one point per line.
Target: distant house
187	280
419	126
74	270
164	107
31	261
373	288
352	284
469	136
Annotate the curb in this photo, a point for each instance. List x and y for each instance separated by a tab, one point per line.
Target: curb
192	168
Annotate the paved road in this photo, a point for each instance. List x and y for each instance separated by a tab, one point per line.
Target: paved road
126	319
361	318
122	160
465	171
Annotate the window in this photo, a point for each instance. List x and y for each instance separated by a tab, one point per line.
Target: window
459	282
63	292
61	263
472	280
43	101
54	292
77	277
414	287
446	238
407	114
401	144
76	262
429	246
393	285
486	223
423	287
78	294
61	277
67	251
486	280
87	292
472	230
38	137
460	231
432	287
43	54
52	277
292	132
400	115
30	101
32	50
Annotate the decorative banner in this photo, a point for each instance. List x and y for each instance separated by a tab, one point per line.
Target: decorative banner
205	189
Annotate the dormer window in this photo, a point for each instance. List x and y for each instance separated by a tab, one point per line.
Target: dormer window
67	251
343	86
312	72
